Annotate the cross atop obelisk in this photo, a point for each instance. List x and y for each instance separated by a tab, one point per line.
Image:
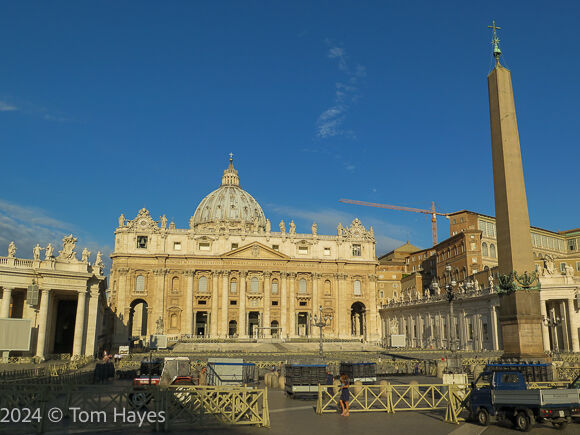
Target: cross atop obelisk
495	42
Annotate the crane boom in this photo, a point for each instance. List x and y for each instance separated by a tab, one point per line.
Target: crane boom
431	212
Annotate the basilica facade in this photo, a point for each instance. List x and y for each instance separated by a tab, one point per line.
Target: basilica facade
229	275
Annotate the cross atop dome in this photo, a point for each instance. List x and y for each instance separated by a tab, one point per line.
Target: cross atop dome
230	177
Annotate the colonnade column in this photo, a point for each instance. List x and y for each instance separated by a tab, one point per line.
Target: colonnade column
214	304
188	317
93	321
292	305
6	297
495	332
42	323
224	309
242	329
283	305
573	326
80	323
267	307
564	325
372	327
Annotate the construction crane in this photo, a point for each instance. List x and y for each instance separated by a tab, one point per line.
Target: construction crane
431	212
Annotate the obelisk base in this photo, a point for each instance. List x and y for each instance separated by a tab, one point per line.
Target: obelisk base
521	325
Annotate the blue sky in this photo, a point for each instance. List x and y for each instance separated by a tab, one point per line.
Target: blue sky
107	107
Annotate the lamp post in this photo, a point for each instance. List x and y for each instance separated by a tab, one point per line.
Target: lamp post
320	321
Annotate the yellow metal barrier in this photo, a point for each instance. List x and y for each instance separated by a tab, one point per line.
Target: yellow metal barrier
393	398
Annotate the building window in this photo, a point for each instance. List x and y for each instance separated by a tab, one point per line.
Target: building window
233	286
381	294
254	285
493	252
485	332
140	283
202	285
274	286
142	242
177	246
326	251
302	303
572	244
175	285
233	302
327	288
484	250
357	250
204	246
274	303
276	247
234	246
302	286
578	266
357	289
563	267
303	250
202	302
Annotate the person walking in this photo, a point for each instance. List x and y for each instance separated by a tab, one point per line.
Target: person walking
344	394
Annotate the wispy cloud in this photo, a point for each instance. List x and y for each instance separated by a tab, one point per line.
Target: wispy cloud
388	236
7	107
330	121
27	226
34	110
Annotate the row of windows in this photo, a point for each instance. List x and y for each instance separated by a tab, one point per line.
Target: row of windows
488	252
548	242
487	228
205	246
202	285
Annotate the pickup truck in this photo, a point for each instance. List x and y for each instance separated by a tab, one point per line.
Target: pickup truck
503	395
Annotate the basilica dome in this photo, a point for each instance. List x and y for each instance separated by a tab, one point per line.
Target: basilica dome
229	203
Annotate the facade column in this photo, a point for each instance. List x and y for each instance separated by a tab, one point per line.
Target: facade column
573	326
342	317
495	332
242	328
214	304
6	298
267	304
121	332
292	305
80	323
42	323
224	323
315	303
94	321
283	305
188	314
158	302
372	318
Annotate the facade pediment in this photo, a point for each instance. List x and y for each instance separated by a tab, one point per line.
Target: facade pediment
256	250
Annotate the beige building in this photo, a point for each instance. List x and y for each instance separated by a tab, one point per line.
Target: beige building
62	295
230	275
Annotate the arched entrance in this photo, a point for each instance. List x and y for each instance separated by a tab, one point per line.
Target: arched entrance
201	324
65	326
358	320
137	325
302	323
275	331
232	329
253	323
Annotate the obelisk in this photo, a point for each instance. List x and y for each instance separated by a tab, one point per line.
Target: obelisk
519	313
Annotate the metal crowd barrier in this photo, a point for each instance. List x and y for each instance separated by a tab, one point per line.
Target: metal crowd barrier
82	407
